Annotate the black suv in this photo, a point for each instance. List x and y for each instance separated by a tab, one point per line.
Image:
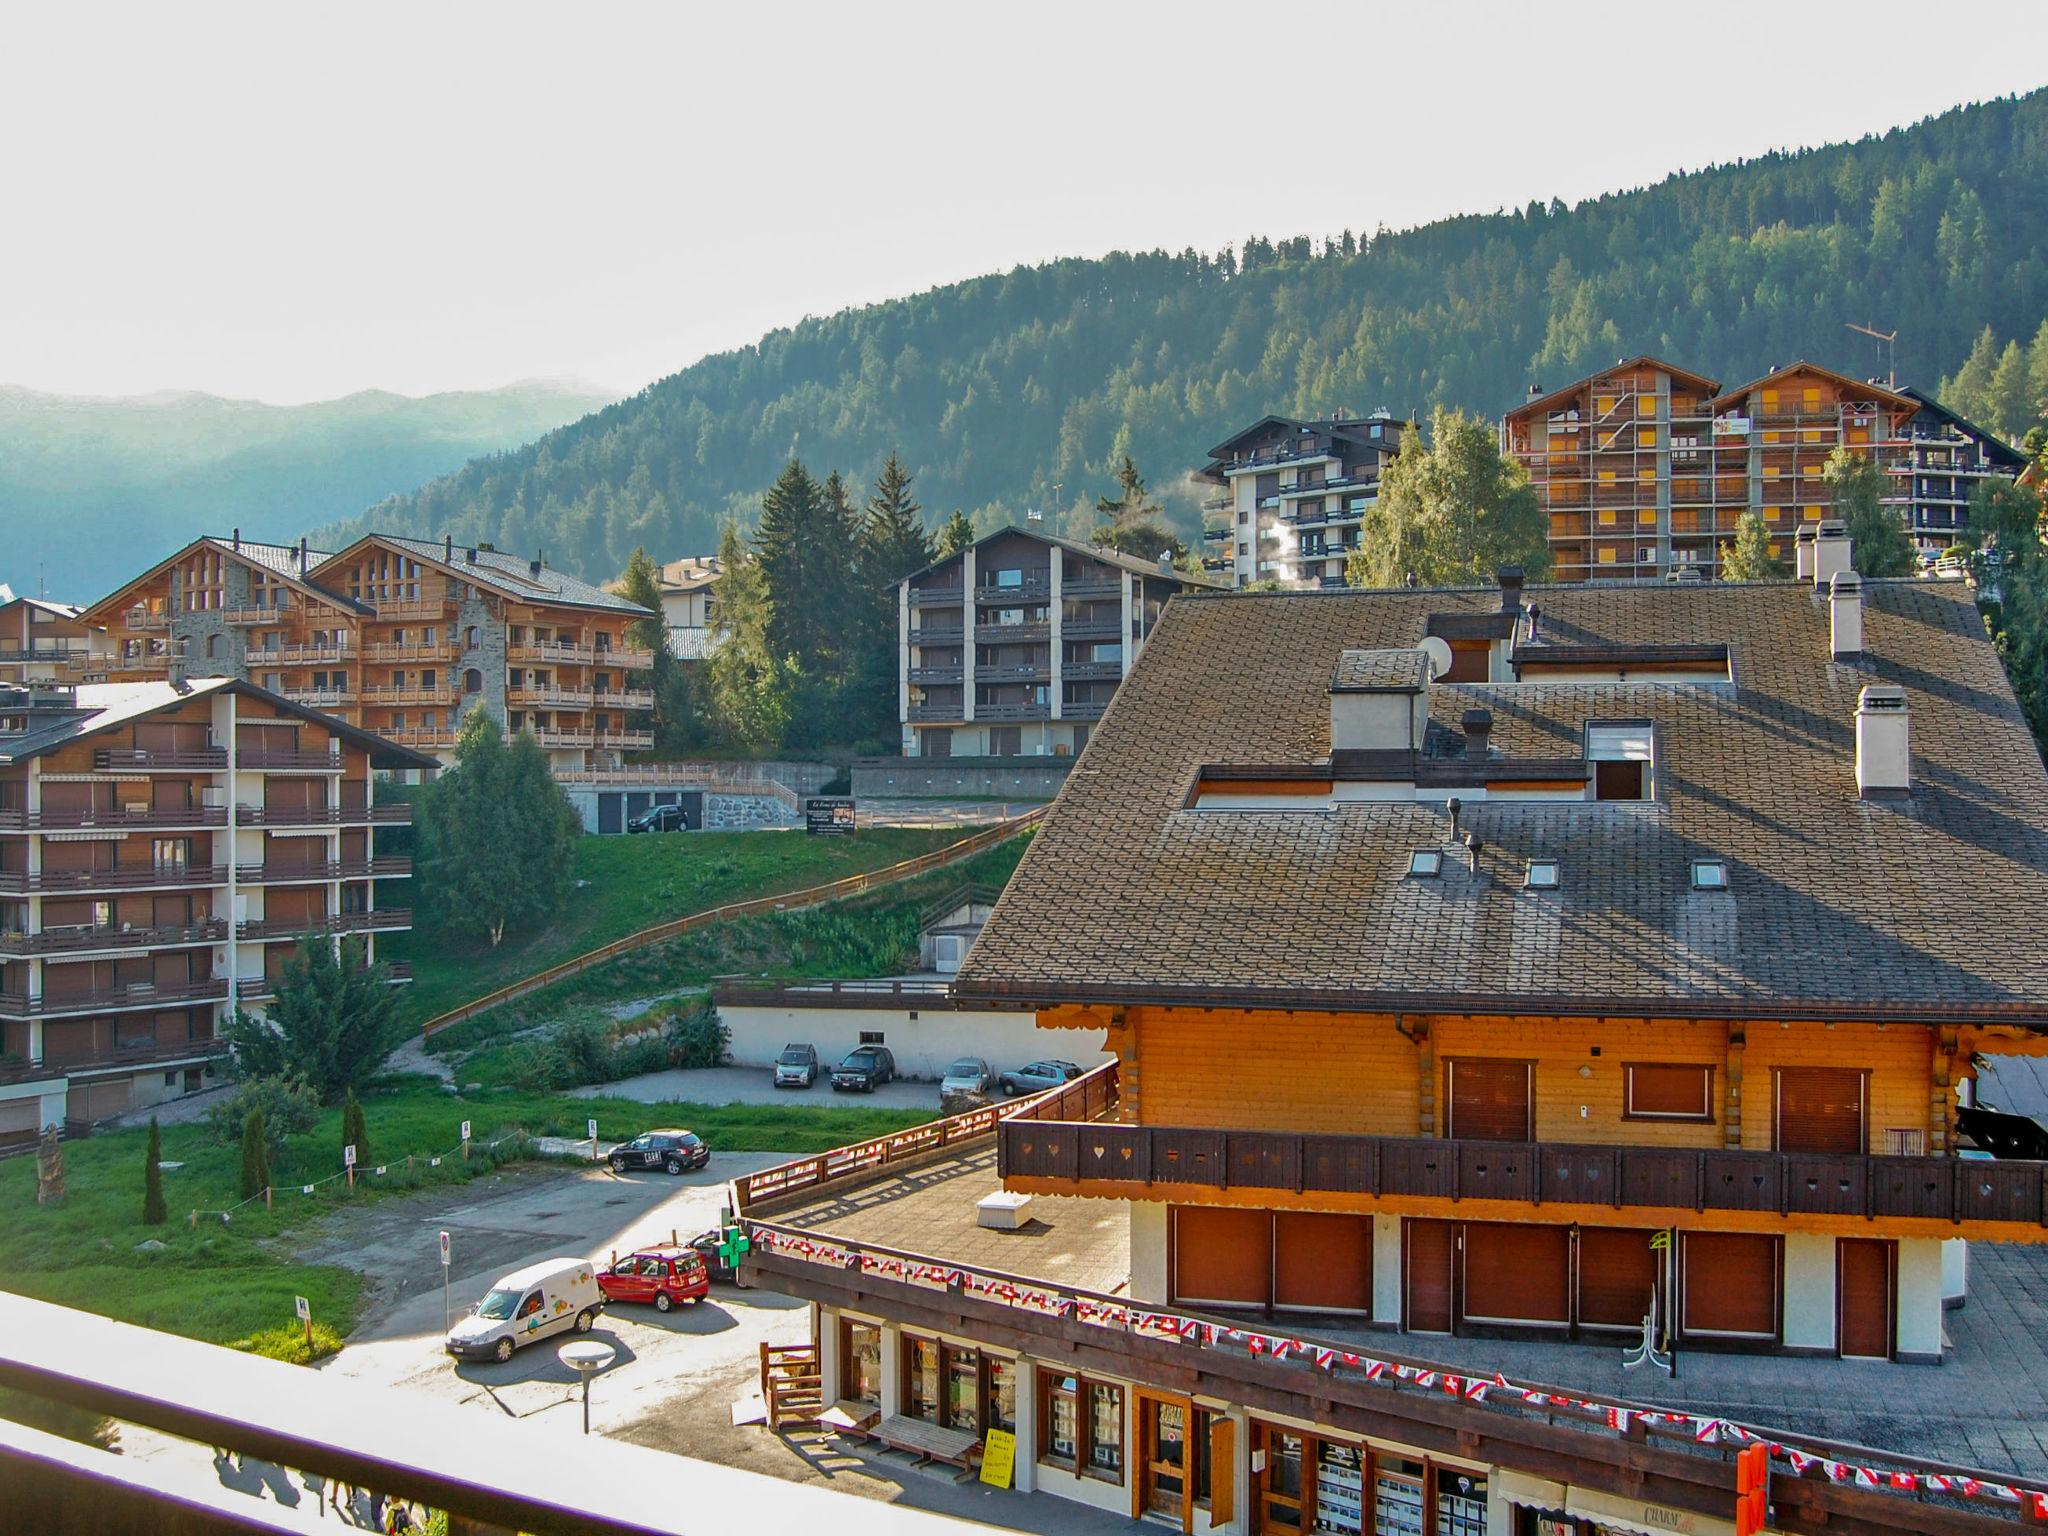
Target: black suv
864	1070
671	1151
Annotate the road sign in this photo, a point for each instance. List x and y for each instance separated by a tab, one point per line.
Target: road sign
348	1156
444	1250
304	1308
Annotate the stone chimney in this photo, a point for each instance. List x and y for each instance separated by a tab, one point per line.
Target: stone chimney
1478	724
1845	615
1510	578
1802	552
1830	552
1884	742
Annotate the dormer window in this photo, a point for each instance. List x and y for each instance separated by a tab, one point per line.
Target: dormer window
1622	758
1709	875
1425	864
1541	875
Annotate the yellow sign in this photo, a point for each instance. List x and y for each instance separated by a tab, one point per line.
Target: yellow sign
998	1458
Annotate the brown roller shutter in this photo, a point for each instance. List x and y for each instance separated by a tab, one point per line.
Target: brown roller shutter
1322	1263
1427	1252
1222	1255
1489	1100
1517	1274
1820	1109
1617	1271
1865	1294
1731	1284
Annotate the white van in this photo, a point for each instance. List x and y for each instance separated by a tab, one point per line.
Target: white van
537	1302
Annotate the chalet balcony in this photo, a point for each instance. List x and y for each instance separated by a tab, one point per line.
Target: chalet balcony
397	813
148	760
140	995
383	920
1157	1161
146	819
85	939
268	760
141	877
387	867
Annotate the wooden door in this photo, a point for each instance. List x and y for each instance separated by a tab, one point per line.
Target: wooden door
1489	1101
1864	1298
1161	1487
1821	1109
1428	1250
1730	1284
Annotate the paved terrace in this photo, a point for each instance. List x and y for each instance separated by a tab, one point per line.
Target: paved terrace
1986	1407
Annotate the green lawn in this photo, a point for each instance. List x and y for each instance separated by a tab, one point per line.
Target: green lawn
630	883
225	1281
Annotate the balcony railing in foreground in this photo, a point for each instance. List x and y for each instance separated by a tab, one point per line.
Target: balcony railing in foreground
483	1470
1681	1460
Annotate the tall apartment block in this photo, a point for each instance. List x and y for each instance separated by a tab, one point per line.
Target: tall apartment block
1293	494
403	637
163	847
1012	648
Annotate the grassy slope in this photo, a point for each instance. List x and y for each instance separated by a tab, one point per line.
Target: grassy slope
224	1282
635	882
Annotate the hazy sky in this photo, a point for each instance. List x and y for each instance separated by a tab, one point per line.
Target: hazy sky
292	201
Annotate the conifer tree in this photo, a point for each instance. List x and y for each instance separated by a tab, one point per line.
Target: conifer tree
153	1212
255	1156
1877	534
1749	557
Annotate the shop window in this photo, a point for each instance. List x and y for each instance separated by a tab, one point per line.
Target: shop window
1084	1426
1667	1091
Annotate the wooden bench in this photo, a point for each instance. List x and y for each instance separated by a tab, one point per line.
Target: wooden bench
928	1442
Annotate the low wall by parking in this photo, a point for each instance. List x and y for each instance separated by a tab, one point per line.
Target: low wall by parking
1023	778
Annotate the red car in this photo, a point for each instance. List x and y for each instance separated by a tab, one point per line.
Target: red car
664	1276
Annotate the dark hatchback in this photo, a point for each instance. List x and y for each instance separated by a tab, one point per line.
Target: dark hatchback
670	1151
864	1070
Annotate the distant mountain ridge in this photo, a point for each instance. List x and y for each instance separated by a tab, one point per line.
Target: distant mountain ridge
92	488
1001	390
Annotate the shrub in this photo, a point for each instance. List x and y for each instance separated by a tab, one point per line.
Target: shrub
287	1342
255	1165
288	1107
153	1212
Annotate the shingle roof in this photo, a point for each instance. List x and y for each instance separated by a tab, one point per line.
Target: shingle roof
1875	905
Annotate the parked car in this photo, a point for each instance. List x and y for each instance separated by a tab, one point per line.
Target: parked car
660	818
536	1302
796	1067
705	1246
671	1151
1037	1076
970	1074
668	1277
864	1070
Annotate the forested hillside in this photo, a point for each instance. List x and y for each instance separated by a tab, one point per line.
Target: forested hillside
1024	388
93	490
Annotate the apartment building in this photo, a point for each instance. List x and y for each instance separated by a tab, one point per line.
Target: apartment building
1472	1037
403	637
1293	496
45	642
1012	647
163	847
1645	468
1934	463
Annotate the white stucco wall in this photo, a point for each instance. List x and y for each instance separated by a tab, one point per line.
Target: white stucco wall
1809	1291
1920	1292
923	1041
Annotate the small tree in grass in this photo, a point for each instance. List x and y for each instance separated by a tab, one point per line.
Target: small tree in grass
255	1156
153	1212
355	1131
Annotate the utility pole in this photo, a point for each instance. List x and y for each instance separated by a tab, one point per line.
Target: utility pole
1891	377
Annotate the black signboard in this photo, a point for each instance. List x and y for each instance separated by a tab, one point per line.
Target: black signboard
831	815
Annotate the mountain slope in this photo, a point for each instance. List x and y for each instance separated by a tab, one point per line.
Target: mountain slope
91	489
998	389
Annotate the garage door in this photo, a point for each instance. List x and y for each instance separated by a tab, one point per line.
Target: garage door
1222	1256
1517	1274
1427	1249
1730	1281
1820	1109
1617	1270
1489	1100
1865	1298
1322	1263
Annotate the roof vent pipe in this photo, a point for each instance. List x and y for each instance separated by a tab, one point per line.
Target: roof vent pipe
1884	742
1830	552
1802	552
1845	615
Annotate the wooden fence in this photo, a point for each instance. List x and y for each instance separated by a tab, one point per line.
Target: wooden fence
810	896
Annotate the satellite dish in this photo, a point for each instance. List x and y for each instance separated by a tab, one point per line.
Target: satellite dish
1438	650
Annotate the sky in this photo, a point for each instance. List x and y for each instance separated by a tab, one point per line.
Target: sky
293	202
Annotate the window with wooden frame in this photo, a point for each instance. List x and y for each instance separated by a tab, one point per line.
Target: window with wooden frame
1668	1091
1082	1425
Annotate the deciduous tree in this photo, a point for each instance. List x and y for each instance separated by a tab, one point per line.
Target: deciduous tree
1451	513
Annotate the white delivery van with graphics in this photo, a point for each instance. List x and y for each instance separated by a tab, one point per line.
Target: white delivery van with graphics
537	1302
